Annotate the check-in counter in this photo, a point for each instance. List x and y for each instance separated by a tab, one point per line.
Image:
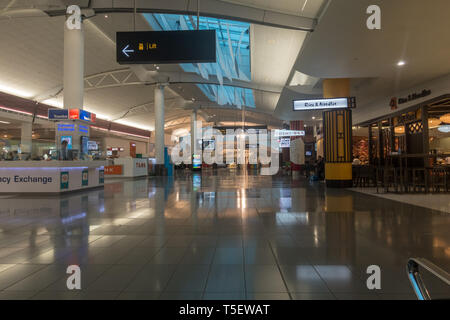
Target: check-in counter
50	176
127	168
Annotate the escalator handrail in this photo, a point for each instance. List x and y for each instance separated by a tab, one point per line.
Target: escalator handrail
416	280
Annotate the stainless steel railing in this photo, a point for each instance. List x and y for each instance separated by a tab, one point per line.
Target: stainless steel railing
413	270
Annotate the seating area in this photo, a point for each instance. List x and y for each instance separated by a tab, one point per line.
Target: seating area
389	178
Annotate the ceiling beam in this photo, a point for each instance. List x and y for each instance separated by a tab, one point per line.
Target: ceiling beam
209	8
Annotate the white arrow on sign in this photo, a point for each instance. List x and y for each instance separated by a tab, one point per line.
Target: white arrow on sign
126	50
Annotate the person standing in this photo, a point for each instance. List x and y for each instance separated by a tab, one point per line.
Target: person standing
63	155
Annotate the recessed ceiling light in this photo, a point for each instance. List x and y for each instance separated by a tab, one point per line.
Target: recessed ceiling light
401	63
106	16
314	118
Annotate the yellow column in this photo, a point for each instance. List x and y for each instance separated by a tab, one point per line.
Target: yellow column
337	125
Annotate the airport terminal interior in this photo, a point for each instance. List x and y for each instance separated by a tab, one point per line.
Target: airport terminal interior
224	150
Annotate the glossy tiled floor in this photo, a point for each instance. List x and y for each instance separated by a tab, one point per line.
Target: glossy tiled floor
207	236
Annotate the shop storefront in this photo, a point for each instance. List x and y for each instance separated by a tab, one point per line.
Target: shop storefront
420	131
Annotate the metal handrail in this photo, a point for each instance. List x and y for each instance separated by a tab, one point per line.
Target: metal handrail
416	280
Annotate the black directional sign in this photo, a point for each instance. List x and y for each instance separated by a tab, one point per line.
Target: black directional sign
157	47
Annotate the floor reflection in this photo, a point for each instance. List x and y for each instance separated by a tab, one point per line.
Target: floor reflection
215	235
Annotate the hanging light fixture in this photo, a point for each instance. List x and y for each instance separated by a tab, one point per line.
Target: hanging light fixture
399	130
445	118
444	128
433	123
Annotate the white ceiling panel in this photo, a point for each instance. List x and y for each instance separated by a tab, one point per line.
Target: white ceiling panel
31	58
274	52
304	8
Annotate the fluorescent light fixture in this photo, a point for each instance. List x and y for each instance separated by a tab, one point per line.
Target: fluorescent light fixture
54	103
129	134
15	110
401	63
304	5
5	122
16	92
118	132
133	124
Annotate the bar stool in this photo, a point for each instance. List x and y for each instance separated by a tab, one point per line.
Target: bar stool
439	179
420	179
390	178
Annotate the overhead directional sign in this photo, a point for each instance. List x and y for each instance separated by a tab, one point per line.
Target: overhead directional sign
158	47
321	104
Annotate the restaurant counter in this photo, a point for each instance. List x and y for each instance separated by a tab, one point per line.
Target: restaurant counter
50	176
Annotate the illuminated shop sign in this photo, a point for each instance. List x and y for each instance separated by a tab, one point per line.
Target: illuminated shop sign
182	46
414	96
85	115
58	114
323	104
289	133
74	114
71	114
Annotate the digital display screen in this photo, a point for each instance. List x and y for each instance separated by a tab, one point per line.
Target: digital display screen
208	144
92	146
84	144
196	161
285	142
69	141
182	46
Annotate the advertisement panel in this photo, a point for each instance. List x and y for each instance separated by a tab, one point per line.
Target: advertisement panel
101	177
85	177
64	180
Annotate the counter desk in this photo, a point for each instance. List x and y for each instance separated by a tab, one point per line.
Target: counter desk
127	168
50	176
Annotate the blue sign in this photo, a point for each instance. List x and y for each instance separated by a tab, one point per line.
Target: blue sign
58	114
83	129
66	127
85	115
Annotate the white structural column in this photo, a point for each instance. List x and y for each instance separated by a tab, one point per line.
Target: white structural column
194	132
26	137
159	124
73	67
